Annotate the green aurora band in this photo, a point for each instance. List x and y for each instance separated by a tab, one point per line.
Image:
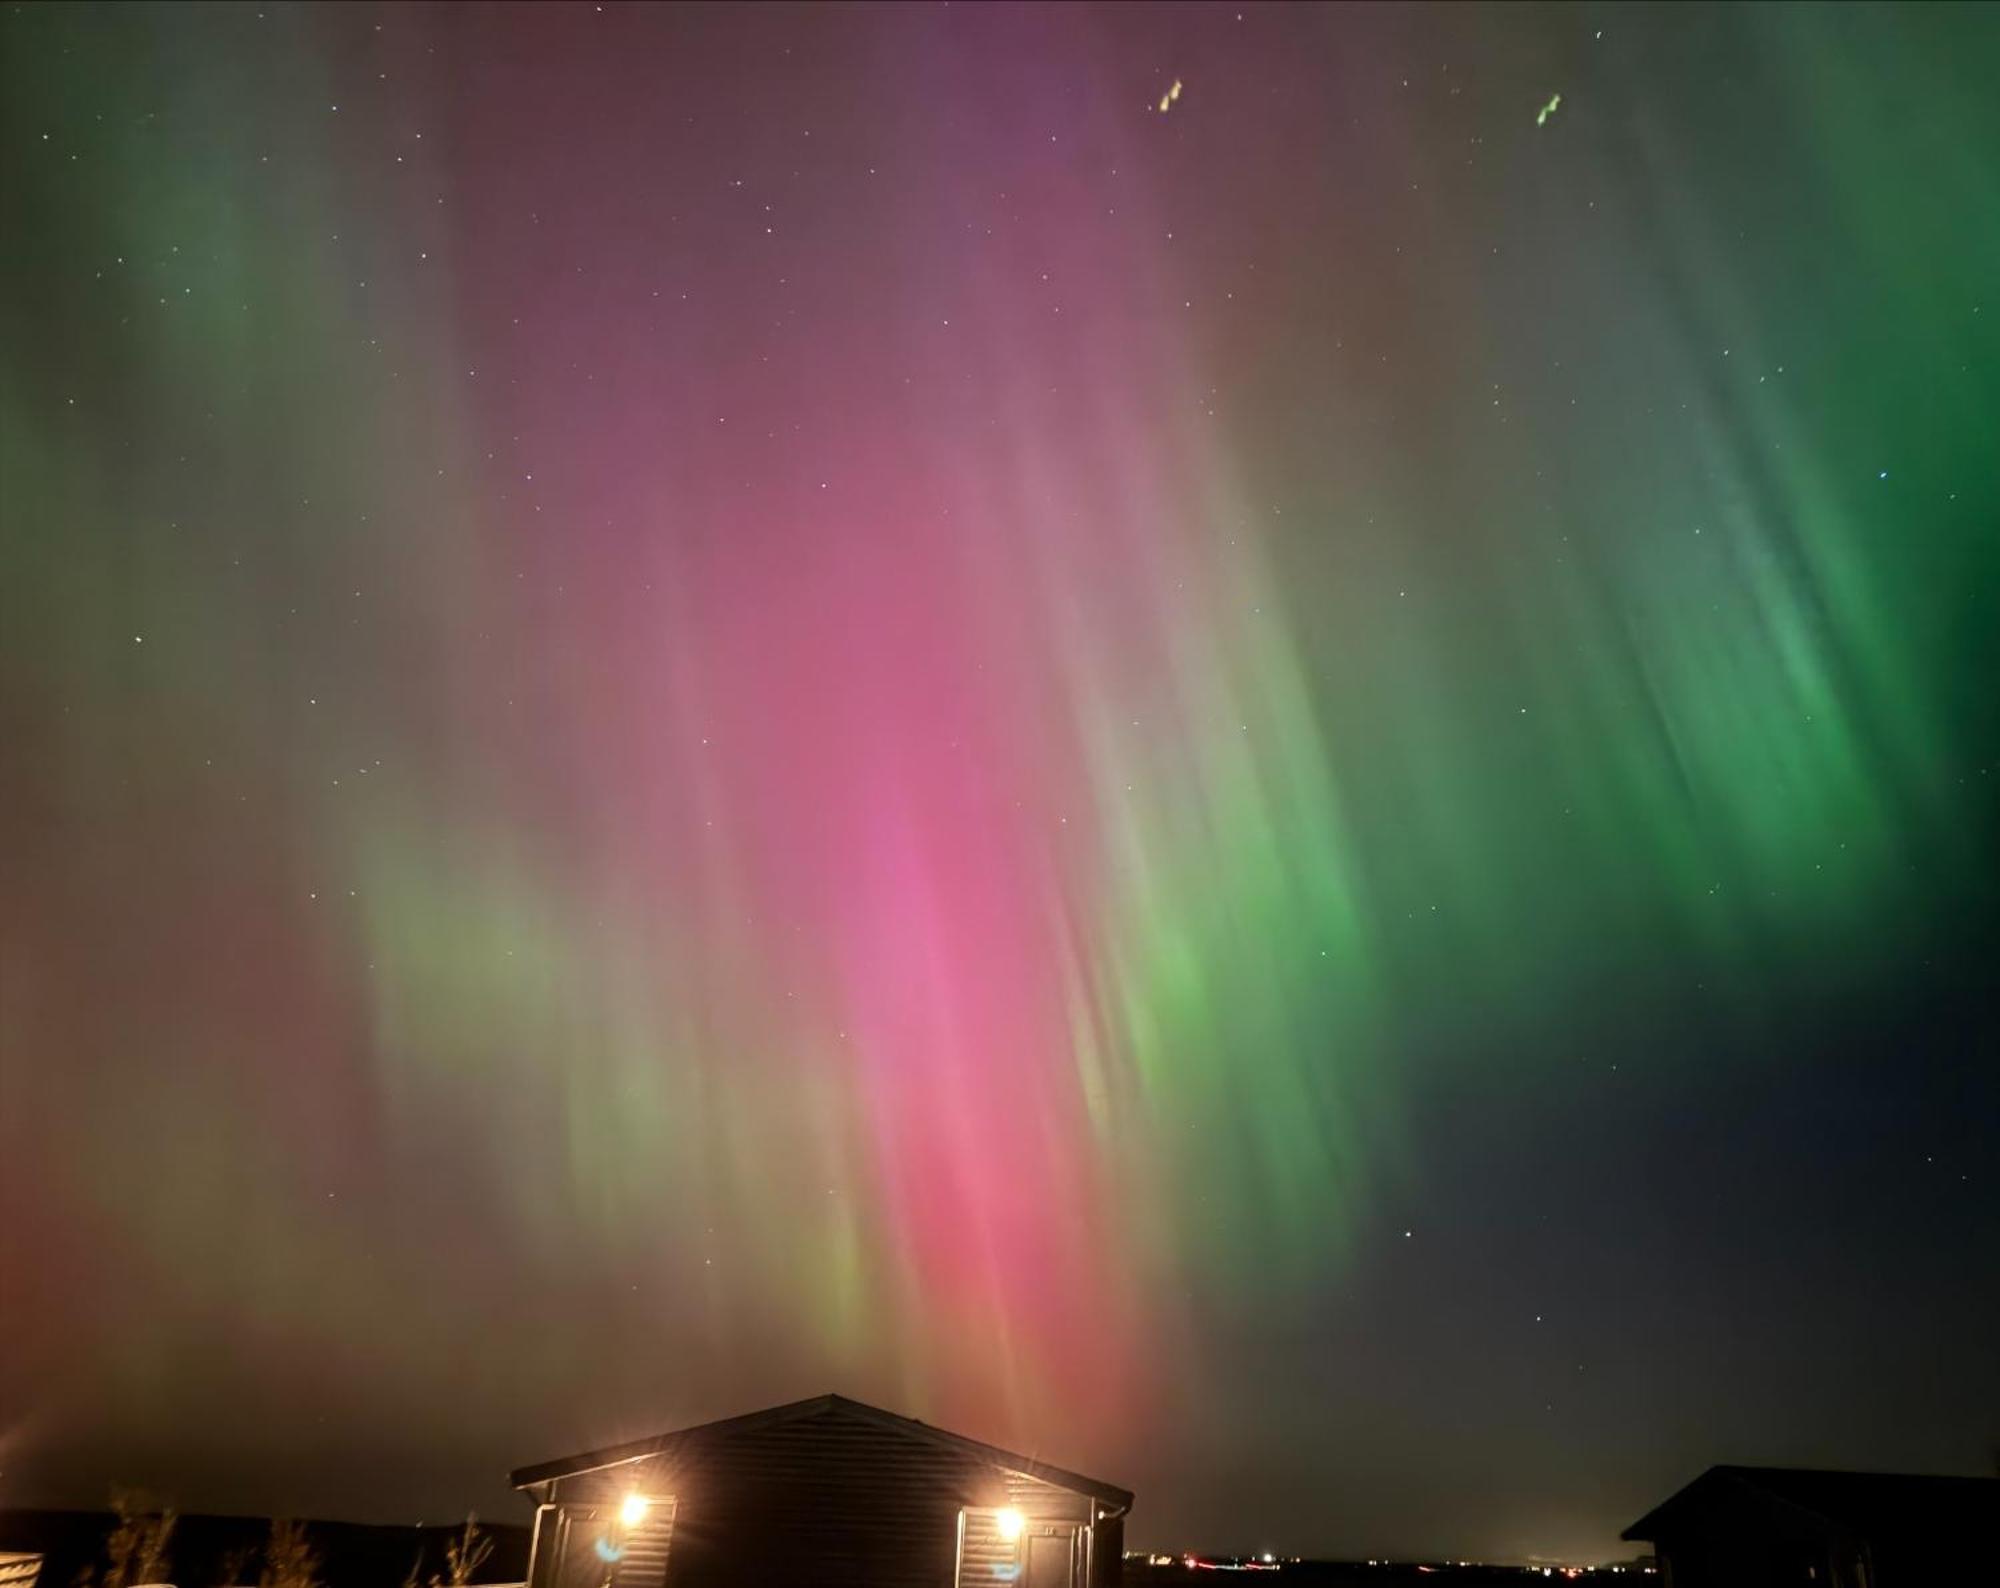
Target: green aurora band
469	877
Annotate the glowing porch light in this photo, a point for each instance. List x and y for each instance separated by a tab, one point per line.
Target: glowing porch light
1008	1524
632	1510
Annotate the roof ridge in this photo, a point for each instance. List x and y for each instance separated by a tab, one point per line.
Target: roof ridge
1835	1495
815	1406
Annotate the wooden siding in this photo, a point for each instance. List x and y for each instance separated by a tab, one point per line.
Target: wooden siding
19	1570
835	1500
567	1538
984	1557
642	1563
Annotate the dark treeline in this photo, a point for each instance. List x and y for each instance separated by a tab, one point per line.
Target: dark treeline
227	1551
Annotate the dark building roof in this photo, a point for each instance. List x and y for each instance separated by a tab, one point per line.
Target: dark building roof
1867	1505
688	1444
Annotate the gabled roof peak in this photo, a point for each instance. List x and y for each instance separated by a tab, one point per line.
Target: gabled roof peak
821	1406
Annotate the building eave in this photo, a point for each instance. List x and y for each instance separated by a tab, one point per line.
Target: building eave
543	1475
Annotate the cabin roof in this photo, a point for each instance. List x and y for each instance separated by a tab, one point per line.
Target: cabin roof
1869	1504
689	1442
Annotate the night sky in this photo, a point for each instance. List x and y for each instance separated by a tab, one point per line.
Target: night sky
1290	797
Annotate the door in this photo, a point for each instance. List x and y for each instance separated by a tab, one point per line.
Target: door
611	1546
1003	1549
1052	1556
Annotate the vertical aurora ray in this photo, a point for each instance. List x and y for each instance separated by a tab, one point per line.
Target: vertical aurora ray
705	736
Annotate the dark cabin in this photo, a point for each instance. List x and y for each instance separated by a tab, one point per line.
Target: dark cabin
827	1493
1783	1527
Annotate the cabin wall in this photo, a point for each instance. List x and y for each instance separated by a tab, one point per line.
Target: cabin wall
1107	1553
1788	1558
823	1502
1941	1560
1773	1527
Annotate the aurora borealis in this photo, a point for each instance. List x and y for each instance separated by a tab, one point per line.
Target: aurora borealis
1288	790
